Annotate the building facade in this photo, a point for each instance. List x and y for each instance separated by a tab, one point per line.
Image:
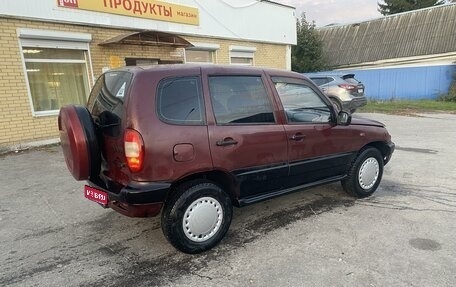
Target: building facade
54	50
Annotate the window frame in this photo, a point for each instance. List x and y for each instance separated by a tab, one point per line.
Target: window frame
201	102
134	61
250	63
204	47
244	52
211	55
29	38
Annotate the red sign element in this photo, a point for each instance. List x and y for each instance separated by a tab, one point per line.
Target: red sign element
95	195
68	3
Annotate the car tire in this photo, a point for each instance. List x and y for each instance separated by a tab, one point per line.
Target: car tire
79	142
197	216
365	173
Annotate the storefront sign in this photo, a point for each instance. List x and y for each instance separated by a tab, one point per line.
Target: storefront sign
149	9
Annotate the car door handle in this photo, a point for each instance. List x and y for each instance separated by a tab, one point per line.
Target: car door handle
298	137
226	142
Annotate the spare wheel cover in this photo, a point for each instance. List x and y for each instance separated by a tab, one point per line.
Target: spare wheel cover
78	141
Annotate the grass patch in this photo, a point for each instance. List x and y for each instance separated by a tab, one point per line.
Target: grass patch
409	107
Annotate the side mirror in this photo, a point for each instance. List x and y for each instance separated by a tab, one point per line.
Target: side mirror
344	118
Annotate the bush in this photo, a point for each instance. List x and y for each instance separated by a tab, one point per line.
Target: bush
451	96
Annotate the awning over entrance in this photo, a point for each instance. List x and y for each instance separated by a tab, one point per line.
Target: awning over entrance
149	38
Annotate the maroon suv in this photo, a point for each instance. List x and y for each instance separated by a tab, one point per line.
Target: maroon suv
191	141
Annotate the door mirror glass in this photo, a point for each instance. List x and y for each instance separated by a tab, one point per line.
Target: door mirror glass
344	118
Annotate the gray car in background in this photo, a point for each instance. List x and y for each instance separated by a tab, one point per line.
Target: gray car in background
346	92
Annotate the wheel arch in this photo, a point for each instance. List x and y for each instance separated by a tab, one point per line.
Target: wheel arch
224	180
383	148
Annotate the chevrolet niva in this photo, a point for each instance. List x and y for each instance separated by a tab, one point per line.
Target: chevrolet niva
191	141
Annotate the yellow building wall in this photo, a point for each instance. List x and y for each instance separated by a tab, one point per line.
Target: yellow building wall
19	128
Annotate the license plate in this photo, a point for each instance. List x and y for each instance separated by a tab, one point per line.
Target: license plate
96	195
360	91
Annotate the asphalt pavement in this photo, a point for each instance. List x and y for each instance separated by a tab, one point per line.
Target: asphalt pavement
404	235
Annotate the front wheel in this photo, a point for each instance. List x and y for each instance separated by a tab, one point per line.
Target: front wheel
197	216
365	174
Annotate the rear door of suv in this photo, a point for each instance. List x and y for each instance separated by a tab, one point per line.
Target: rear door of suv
106	105
244	136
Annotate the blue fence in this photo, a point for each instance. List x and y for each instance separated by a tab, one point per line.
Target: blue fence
427	82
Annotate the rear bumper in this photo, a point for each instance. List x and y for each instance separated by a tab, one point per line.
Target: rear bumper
142	193
136	210
354	103
137	199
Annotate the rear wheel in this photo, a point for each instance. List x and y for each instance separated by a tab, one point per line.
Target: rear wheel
197	216
365	174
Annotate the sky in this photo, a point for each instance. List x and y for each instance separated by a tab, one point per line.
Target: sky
335	11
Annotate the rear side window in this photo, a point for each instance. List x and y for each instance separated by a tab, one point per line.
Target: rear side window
179	101
240	100
321	80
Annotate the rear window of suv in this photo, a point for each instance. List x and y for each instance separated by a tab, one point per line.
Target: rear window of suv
352	81
108	93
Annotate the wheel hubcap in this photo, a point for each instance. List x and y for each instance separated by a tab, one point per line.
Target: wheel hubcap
368	173
202	219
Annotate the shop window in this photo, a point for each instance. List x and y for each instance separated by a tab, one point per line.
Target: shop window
240	55
56	71
202	53
141	62
199	56
248	61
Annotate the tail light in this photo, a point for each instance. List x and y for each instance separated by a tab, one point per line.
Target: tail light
134	150
347	87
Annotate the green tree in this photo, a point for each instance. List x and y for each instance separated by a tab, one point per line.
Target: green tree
389	7
307	55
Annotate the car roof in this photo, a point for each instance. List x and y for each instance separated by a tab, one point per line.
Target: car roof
210	68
